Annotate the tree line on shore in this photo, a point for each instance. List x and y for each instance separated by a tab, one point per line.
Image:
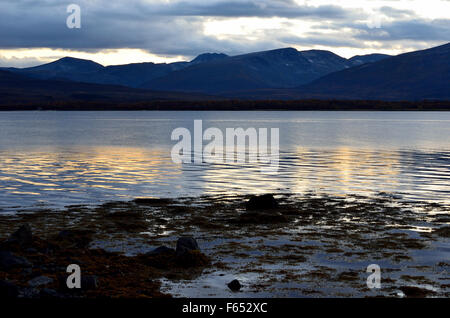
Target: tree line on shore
236	105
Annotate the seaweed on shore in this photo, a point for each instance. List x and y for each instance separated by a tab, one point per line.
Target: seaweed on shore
293	247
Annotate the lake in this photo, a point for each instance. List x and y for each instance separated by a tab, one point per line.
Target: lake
67	158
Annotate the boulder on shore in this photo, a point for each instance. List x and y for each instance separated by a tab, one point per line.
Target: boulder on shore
416	292
23	236
186	244
76	238
161	250
40	281
261	202
234	285
186	255
152	201
9	261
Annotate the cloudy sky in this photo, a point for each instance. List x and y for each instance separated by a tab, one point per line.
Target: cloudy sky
125	31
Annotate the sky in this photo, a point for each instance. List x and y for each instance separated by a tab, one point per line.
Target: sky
163	31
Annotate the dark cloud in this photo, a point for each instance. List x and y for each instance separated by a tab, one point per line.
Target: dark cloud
171	29
417	30
177	27
261	8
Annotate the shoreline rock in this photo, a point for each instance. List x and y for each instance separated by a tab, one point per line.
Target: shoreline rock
125	276
23	236
261	202
152	201
9	261
186	244
40	281
234	285
186	255
161	250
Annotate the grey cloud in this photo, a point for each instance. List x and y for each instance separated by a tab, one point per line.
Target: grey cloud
176	28
396	13
312	39
416	29
18	62
261	8
135	23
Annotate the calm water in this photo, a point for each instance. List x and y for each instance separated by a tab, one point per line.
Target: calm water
63	158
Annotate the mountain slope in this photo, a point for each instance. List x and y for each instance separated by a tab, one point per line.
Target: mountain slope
16	89
66	68
268	69
66	65
132	75
208	57
410	76
72	69
369	58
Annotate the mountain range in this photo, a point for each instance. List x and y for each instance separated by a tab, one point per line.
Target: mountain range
275	74
282	68
207	73
411	76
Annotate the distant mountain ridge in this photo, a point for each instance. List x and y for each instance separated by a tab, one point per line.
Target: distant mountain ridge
208	57
207	73
87	71
279	68
416	75
281	74
369	58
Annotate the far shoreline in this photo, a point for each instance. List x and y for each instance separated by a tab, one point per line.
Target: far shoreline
231	105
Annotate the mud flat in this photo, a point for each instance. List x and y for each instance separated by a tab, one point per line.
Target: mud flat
288	246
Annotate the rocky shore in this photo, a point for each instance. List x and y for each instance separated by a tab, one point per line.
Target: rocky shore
285	246
32	267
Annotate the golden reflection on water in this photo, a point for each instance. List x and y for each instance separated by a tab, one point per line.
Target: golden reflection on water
112	168
76	174
347	170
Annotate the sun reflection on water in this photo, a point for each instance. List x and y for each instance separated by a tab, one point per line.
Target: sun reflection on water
78	175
